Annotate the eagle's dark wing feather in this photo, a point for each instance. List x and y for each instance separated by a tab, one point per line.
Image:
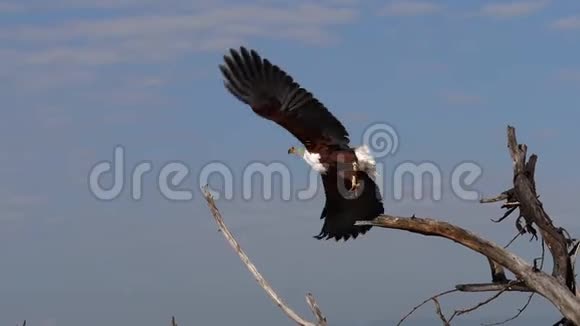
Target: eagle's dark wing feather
340	212
274	95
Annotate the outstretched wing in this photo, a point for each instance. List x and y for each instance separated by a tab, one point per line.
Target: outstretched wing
274	95
340	212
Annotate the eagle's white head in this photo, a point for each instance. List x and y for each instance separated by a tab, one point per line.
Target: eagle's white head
313	159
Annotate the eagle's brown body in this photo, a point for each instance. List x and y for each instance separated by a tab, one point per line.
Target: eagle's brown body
351	193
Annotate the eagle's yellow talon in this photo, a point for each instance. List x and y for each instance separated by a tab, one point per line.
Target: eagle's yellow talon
354	183
353	180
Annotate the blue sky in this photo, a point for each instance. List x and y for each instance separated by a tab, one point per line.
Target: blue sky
80	77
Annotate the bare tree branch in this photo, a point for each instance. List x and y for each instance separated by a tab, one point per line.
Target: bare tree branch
559	288
500	288
492	287
440	313
532	210
423	303
513	239
520	311
501	197
547	286
497	272
460	312
321	320
573	254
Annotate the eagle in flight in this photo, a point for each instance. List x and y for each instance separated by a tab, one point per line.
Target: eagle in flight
347	173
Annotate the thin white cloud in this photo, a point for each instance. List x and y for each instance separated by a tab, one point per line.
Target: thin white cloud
567	23
513	8
63	5
252	17
410	8
75	54
147	38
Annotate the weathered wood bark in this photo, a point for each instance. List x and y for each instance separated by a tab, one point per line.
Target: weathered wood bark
320	318
537	281
559	287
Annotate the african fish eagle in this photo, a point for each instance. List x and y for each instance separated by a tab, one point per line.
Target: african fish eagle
347	173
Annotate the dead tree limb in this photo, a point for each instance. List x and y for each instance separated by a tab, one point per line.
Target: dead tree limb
520	311
432	298
538	281
560	287
320	318
533	212
492	287
440	313
463	311
497	272
460	312
501	197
